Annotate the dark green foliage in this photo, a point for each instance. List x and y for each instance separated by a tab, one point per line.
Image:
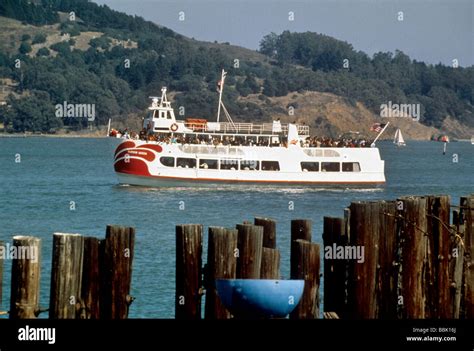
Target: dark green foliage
24	48
34	113
119	79
441	90
39	38
43	52
29	12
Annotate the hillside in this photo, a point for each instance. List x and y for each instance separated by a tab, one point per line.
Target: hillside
115	61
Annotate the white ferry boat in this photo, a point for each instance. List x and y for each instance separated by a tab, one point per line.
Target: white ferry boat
194	151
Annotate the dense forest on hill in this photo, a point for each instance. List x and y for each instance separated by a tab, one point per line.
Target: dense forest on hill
119	78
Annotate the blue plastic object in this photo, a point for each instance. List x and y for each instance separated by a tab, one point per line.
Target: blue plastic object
260	298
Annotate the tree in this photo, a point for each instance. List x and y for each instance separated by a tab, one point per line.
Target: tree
39	38
268	45
43	52
24	48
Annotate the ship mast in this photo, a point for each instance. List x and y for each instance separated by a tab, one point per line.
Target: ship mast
221	89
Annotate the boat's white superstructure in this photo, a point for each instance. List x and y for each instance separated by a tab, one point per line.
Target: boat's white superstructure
194	151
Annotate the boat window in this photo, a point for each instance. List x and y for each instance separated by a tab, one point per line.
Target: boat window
270	166
331	153
310	166
249	165
208	164
186	162
167	161
231	164
330	166
313	152
350	167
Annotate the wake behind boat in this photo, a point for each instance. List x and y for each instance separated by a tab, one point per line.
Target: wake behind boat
194	151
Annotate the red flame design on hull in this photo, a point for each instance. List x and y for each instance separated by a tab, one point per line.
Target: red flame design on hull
140	153
132	166
135	164
124	145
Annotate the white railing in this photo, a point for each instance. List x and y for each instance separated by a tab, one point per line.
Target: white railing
242	128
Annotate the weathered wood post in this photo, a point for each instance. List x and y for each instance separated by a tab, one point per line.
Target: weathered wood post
334	236
90	290
25	278
221	264
469	259
270	268
269	231
249	243
270	256
188	271
414	254
386	287
438	297
363	254
301	229
457	262
116	272
66	275
305	262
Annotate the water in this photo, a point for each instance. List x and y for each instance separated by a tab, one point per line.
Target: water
36	197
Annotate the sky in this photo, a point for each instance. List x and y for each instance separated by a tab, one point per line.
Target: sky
432	31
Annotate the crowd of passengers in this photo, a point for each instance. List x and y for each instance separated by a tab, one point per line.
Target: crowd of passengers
196	139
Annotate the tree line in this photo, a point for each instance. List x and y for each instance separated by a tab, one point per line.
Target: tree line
118	79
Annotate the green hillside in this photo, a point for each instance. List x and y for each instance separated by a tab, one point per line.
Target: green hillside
80	52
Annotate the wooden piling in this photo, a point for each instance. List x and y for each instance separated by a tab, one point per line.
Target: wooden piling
437	283
305	264
116	272
456	263
269	231
301	229
362	271
413	257
25	278
270	268
221	264
66	275
249	243
469	259
90	289
334	234
188	271
388	266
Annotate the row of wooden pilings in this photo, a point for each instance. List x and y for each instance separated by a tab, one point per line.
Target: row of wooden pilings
247	252
416	263
90	277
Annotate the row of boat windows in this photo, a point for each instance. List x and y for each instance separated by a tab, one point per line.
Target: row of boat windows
254	165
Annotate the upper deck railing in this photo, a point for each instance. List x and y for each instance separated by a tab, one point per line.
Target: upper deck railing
242	128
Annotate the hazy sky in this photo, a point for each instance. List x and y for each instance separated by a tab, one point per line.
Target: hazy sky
431	31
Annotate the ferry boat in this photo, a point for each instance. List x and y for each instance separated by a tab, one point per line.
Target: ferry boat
195	151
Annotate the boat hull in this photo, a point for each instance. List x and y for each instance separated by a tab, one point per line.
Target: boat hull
162	182
143	164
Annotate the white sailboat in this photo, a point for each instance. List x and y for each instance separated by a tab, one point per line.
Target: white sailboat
472	140
398	139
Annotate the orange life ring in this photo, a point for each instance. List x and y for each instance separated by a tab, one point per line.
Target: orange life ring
174	127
